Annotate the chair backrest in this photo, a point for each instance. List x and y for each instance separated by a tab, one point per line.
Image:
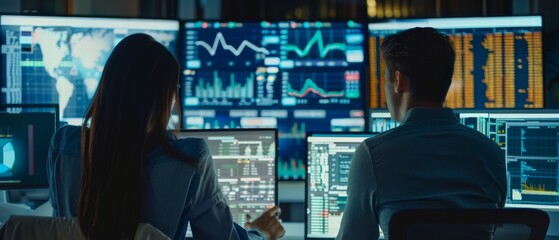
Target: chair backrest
463	223
33	227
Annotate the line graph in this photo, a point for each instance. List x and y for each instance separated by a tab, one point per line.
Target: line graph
220	41
310	87
317	39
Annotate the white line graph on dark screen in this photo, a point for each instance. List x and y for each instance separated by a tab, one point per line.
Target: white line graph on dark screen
220	40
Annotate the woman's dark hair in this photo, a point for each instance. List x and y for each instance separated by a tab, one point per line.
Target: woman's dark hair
127	119
426	57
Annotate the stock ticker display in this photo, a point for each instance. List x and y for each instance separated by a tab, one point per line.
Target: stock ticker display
530	141
59	60
498	60
295	76
245	165
329	159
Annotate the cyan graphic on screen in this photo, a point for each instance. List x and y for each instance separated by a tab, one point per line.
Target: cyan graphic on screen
8	157
220	41
528	172
351	47
303	88
297	131
319	41
257	149
292	169
206	89
379	125
311	87
523	149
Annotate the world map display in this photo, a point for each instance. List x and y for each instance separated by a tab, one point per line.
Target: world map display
61	65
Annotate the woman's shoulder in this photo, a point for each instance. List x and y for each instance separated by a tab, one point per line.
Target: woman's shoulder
194	148
68	130
67	138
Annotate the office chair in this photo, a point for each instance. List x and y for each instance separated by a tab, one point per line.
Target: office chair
460	223
54	228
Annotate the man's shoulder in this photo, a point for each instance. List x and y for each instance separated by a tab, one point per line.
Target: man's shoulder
384	137
405	131
478	136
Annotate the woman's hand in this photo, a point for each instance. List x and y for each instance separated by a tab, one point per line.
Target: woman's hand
268	223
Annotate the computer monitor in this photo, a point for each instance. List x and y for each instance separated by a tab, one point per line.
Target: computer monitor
329	157
380	121
530	142
24	142
498	60
294	76
245	162
59	60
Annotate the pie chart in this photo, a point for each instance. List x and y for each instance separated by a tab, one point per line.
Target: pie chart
8	156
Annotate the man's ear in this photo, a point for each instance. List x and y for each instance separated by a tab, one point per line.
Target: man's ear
400	82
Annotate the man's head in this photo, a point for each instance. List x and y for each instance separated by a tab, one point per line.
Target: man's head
419	64
553	88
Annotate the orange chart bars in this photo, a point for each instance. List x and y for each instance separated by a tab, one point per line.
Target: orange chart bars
498	60
535	71
373	72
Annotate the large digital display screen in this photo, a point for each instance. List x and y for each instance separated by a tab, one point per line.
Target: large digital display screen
59	60
297	77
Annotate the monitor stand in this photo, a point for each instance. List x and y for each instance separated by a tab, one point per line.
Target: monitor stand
7	209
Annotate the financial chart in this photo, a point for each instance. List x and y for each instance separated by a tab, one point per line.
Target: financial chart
245	165
297	77
498	61
329	159
381	121
59	60
530	142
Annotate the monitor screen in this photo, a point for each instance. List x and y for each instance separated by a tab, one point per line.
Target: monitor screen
25	140
530	142
293	76
380	121
329	157
245	162
59	60
498	60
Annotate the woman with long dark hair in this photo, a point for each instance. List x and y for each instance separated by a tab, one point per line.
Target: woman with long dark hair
123	167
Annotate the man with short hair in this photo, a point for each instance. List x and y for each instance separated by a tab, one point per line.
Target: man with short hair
430	160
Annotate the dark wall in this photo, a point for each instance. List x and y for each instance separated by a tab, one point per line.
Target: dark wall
357	9
58	7
293	9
